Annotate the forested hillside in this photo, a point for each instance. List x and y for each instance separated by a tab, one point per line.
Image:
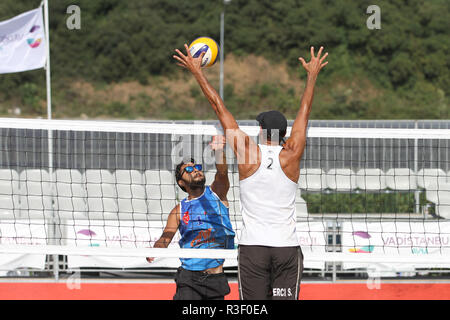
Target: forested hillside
120	65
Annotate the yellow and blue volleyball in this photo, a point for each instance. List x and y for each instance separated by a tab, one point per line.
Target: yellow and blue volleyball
207	45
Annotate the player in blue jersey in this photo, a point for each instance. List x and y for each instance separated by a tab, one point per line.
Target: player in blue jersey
203	222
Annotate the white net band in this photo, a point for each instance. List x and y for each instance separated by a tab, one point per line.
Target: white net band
211	130
214	254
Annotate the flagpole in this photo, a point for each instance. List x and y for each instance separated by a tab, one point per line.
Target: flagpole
47	68
52	224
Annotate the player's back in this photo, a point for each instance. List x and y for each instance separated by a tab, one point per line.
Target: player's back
268	203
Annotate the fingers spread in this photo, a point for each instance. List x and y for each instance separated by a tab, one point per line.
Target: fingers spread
320	52
179	59
324	56
302	61
187	50
180	53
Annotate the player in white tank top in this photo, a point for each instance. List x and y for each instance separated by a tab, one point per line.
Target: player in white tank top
268	203
270	259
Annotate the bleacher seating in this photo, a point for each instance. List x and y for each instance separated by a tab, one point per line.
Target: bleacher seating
402	179
371	179
9	193
342	179
70	194
312	179
35	194
102	194
427	177
131	193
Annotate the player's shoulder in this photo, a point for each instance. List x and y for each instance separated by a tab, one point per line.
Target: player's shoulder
293	148
176	209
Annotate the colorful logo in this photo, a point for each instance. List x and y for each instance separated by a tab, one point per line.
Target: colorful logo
186	217
90	234
87	232
365	249
361	234
34	28
34	43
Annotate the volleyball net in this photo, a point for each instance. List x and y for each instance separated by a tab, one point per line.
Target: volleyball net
100	192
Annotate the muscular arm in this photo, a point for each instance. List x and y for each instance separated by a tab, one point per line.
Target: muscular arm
221	183
173	221
225	117
245	149
297	140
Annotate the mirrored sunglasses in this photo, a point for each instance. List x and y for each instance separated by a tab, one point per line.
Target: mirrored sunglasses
189	169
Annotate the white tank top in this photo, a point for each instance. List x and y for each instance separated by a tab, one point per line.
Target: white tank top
268	204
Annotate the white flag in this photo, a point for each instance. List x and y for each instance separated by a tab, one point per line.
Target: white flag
22	42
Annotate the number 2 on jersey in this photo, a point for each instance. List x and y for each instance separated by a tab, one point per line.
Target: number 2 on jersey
270	164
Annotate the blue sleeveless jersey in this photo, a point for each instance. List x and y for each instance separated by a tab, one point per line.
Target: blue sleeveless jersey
204	224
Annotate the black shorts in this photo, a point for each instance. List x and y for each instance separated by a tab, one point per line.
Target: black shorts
269	273
197	285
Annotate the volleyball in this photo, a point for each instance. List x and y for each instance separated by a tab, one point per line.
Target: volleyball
207	45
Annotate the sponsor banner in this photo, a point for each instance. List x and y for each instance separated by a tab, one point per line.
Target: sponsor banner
401	238
22	232
143	234
22	43
119	234
312	239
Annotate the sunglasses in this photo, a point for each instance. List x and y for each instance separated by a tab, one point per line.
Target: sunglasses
190	169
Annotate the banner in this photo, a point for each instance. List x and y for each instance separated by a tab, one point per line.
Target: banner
120	234
26	232
312	239
399	238
143	234
22	42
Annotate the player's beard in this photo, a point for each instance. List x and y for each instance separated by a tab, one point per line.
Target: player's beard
198	183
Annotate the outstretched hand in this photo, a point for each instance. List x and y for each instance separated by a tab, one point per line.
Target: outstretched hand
317	62
187	61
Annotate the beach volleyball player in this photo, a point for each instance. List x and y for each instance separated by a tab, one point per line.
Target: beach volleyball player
270	261
203	221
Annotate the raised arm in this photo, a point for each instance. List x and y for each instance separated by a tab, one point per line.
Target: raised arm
221	183
242	145
173	221
194	66
297	140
